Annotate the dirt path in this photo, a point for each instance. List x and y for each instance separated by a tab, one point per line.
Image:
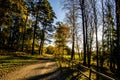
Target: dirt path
45	69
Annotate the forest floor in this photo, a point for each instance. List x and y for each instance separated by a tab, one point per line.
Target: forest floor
45	69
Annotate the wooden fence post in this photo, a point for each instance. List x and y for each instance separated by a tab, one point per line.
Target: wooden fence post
90	75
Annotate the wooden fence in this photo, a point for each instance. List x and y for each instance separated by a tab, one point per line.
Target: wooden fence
72	63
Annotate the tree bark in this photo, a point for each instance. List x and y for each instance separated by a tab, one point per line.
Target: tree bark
103	23
34	34
84	40
73	32
41	43
118	34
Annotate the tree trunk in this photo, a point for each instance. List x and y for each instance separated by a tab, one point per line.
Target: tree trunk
40	47
90	44
84	40
34	34
118	34
103	23
42	41
73	40
96	32
73	32
78	50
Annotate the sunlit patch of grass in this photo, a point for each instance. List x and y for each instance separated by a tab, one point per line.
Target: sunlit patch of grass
9	61
49	55
15	62
67	56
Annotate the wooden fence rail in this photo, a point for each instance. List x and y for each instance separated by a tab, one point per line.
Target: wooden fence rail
87	68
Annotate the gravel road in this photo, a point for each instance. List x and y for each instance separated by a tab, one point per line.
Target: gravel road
45	69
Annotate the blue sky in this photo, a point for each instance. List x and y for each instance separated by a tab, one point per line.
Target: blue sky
57	7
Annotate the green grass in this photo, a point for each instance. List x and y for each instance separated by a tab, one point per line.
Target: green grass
16	60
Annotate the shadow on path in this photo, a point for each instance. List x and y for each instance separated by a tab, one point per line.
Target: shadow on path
58	74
